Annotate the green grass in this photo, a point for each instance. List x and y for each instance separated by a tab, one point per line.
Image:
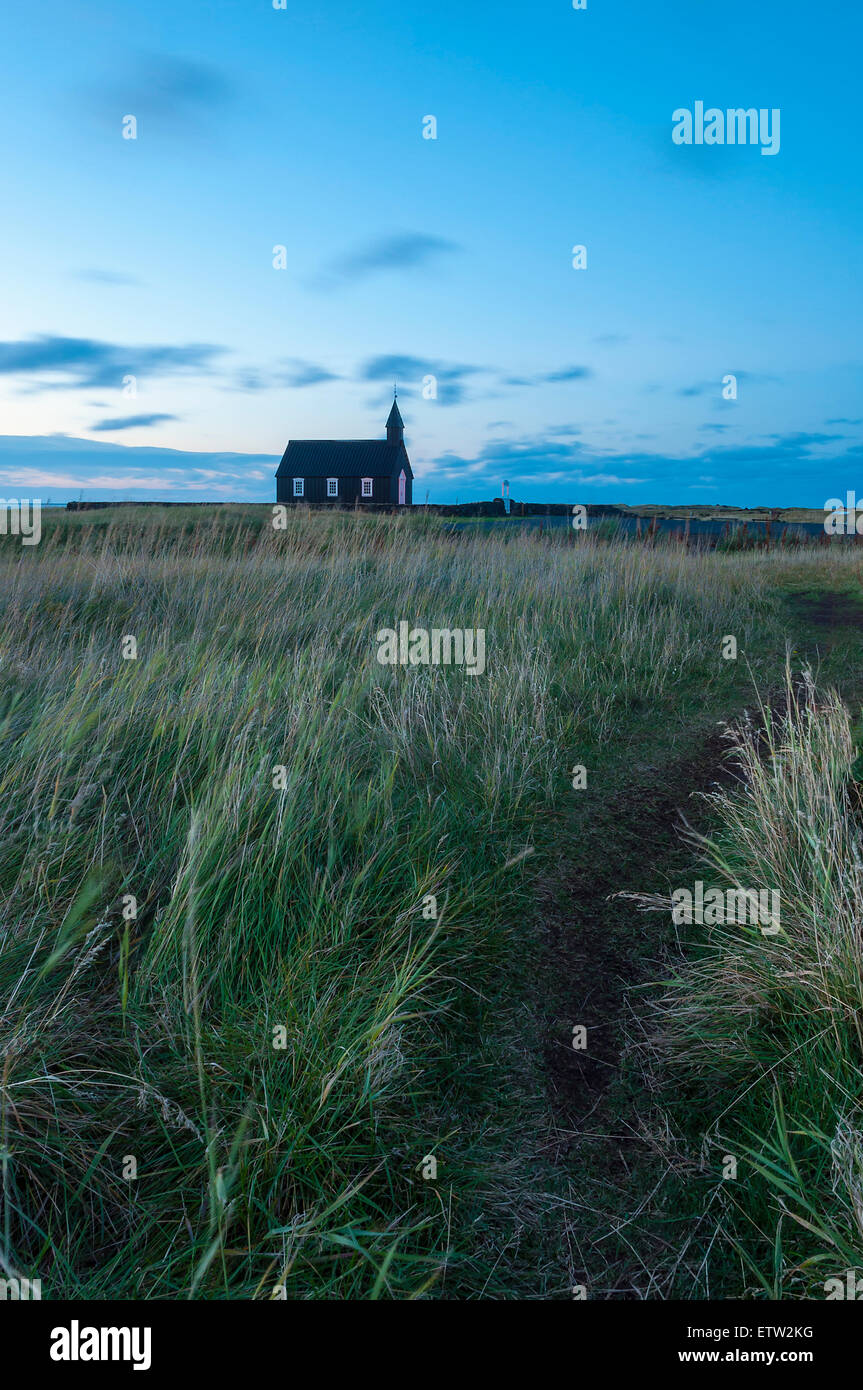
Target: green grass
766	1027
298	1167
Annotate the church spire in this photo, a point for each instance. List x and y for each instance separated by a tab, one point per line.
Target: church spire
395	424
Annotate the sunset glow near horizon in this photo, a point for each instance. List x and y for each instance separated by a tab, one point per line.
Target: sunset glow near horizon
427	171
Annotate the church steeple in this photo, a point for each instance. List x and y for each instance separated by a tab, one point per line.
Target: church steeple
395	425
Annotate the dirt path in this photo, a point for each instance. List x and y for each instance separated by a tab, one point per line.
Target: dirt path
620	1168
611	1165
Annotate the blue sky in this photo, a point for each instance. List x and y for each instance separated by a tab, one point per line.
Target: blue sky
411	258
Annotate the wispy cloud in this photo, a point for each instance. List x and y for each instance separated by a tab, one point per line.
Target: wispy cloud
536	460
293	372
162	90
107	277
552	467
400	252
567	374
90	362
551	378
802	439
169	84
714	388
795	468
300	373
130	422
410	372
68	465
452	379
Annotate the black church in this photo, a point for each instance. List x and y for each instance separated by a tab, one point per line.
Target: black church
344	471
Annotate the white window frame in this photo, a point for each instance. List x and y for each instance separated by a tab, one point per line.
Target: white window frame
332	487
299	487
367	492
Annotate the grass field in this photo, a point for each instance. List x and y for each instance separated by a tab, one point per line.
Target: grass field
234	1035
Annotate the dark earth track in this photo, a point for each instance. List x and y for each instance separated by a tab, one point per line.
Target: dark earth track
620	1223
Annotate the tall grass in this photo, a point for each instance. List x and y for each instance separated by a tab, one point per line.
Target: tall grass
156	1137
766	1029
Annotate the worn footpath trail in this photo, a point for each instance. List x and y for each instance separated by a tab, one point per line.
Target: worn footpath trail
635	1218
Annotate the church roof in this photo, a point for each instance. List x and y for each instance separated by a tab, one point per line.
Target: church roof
342	458
394	417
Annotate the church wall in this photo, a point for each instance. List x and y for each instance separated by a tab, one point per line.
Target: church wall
350	491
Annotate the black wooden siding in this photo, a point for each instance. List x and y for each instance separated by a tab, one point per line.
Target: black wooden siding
348	461
384	489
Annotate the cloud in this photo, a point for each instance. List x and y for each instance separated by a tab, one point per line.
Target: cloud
294	372
249	379
107	277
130	422
567	374
409	372
453	378
302	373
169	84
551	466
532	474
163	91
801	440
402	251
97	470
529	462
91	362
710	388
549	378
